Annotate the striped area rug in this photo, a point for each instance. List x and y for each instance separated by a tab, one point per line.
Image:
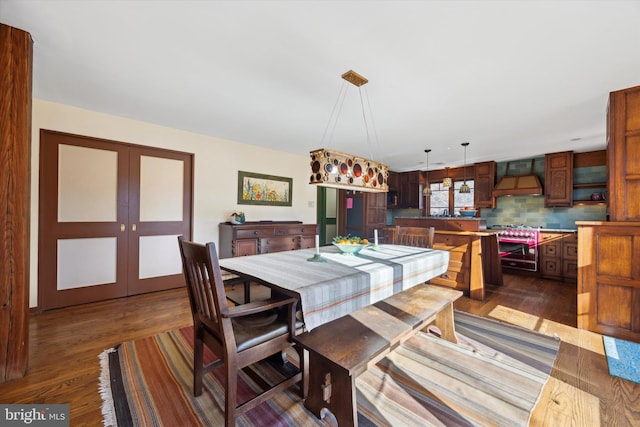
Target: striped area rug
493	376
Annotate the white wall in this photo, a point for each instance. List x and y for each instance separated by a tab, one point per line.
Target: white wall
216	166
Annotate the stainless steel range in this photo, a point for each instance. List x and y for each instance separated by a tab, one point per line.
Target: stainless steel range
519	246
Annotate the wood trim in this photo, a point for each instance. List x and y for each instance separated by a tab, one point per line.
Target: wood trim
591	158
127	281
16	54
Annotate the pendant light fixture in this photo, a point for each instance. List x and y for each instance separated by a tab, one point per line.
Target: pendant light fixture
331	168
427	187
464	188
446	181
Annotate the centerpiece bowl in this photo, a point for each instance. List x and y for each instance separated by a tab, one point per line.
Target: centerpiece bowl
349	248
468	212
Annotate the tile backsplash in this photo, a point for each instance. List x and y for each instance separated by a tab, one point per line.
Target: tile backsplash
530	210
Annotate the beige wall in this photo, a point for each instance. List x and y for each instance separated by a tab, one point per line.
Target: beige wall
217	162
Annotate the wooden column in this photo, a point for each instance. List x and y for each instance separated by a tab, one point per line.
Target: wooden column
16	54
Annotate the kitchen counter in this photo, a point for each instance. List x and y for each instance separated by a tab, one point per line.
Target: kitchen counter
457	223
474	257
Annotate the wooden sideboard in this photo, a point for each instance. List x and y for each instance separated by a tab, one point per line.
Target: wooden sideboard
262	237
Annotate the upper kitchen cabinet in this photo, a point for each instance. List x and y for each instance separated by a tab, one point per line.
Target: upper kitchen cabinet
410	192
393	195
558	179
484	180
623	154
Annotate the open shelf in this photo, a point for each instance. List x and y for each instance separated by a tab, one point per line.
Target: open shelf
589	202
590	185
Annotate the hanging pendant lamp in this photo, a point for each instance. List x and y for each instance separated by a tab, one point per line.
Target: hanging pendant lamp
427	188
446	181
464	188
331	168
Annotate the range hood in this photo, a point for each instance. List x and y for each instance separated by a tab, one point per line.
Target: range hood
518	185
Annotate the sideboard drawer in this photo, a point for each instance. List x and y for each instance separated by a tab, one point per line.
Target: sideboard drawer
254	233
279	244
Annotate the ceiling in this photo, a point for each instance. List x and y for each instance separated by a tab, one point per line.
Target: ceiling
516	79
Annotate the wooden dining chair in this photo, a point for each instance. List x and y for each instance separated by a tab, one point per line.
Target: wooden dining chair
239	335
415	236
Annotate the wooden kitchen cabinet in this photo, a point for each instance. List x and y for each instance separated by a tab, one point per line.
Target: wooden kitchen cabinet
550	250
558	181
410	191
474	261
483	182
252	238
570	257
458	273
609	278
393	195
444	223
558	255
623	155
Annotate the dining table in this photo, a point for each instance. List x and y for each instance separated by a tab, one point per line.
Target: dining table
331	284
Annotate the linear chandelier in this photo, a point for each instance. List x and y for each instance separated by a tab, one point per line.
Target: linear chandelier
331	168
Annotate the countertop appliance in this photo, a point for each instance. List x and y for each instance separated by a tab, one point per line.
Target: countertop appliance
518	245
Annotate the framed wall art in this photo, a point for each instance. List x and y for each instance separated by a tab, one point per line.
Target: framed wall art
259	189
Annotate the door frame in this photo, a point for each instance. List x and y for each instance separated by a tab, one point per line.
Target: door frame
50	230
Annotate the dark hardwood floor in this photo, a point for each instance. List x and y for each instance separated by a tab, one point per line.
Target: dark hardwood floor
65	344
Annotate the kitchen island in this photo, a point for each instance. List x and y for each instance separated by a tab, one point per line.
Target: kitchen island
474	258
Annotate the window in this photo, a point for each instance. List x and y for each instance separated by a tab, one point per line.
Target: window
439	199
444	201
460	200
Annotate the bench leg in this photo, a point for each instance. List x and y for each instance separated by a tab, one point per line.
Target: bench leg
333	388
444	322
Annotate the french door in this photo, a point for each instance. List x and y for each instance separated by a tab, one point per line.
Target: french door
109	216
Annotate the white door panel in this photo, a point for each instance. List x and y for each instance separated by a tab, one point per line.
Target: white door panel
159	256
87	184
161	189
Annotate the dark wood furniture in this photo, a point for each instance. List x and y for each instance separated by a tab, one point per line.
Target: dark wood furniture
608	270
342	349
16	57
623	155
239	336
483	182
609	278
368	212
263	237
393	195
445	223
415	236
474	257
410	194
558	181
559	255
583	190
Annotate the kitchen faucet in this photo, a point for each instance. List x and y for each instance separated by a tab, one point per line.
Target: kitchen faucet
445	212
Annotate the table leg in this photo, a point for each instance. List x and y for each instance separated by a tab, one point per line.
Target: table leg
444	322
331	387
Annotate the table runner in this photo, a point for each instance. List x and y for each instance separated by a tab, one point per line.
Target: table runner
345	282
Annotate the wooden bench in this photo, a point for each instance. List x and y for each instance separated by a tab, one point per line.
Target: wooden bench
344	348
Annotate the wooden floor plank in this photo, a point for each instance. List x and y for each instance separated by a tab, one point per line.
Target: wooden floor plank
65	344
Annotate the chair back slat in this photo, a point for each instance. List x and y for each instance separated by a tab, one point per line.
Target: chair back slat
204	282
415	236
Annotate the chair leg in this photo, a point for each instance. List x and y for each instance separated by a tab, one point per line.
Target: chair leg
304	368
198	368
230	395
